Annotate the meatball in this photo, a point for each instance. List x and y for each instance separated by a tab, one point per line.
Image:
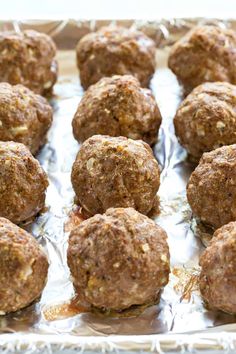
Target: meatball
117	106
211	189
24	116
118	259
115	51
217	278
23	268
206	119
115	172
23	183
206	53
28	58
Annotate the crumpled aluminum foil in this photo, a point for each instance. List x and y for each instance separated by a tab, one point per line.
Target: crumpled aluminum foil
180	322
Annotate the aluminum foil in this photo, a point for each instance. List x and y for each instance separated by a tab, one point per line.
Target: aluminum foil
180	322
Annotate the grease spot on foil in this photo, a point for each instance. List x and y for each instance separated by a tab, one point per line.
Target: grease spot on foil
74	308
187	283
75	217
63	311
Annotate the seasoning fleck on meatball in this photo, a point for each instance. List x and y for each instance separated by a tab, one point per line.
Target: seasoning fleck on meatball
206	53
115	51
206	119
115	172
211	189
28	58
24	116
23	268
118	259
117	106
217	278
23	183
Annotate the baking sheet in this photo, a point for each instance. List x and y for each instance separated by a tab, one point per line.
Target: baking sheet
180	310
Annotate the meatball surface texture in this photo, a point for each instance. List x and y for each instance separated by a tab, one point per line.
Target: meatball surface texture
218	262
23	268
24	116
23	183
115	51
28	58
117	106
115	172
204	54
206	119
211	189
118	259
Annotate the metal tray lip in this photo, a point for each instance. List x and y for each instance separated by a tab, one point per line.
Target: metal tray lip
162	343
87	19
171	340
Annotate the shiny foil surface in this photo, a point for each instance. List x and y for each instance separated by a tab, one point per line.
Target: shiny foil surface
180	322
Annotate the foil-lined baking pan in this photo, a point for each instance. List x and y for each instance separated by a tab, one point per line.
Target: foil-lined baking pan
180	322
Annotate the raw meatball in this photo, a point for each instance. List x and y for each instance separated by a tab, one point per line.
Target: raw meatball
118	259
206	119
115	172
117	106
24	116
23	268
218	261
28	58
206	53
23	183
115	51
211	189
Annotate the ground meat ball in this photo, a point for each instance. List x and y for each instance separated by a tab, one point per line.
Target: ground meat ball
28	58
117	106
217	279
115	51
23	183
24	116
118	259
211	188
115	172
23	268
206	53
206	119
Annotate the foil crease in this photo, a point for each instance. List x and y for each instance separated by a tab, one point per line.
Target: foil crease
180	322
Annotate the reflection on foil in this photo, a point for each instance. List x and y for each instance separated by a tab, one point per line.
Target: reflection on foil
181	309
